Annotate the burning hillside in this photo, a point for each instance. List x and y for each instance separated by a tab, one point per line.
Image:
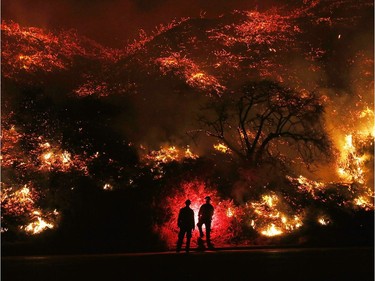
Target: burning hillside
33	50
268	112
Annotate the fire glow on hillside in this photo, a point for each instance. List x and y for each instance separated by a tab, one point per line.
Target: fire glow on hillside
192	60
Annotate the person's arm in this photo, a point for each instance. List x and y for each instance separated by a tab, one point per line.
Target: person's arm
193	221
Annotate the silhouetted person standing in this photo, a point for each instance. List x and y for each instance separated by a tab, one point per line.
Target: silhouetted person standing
186	223
205	214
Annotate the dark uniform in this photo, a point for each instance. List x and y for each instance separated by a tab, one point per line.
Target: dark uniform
186	223
205	215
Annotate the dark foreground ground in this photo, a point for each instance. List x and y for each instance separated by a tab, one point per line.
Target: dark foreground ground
318	264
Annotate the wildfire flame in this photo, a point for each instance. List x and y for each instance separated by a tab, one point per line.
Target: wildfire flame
272	230
269	220
168	154
356	155
38	225
22	203
222	148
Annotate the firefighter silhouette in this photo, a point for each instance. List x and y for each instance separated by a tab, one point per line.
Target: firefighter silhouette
186	223
205	214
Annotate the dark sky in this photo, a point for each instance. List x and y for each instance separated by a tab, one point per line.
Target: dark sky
114	22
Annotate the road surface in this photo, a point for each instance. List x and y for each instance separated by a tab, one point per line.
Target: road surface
318	264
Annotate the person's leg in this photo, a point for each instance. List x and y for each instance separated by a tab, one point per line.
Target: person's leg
181	235
199	224
208	234
208	231
188	238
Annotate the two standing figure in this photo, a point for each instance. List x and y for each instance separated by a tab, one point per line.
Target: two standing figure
186	223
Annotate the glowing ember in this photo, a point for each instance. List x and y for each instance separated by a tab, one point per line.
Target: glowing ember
34	49
222	148
145	38
191	72
108	186
93	87
43	156
51	158
324	221
309	186
230	213
17	202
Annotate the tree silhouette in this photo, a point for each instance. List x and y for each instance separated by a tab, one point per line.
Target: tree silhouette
265	121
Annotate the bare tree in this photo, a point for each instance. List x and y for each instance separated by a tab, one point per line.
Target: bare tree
264	120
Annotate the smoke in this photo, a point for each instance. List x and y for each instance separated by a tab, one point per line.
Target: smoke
115	22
